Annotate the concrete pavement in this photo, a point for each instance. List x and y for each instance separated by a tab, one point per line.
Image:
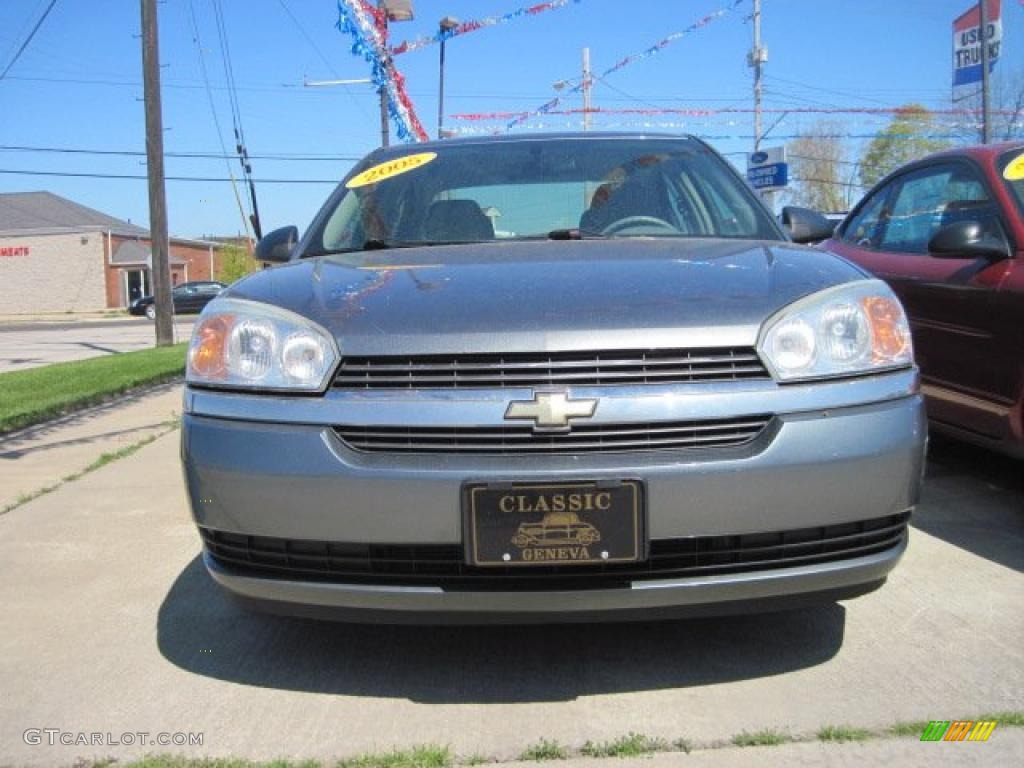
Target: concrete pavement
115	627
31	344
39	456
906	753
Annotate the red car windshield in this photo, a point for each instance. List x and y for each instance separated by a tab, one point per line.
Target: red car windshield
1011	168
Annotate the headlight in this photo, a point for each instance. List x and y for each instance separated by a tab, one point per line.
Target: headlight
247	344
846	330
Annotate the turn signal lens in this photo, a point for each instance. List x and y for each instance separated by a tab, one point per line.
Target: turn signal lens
206	352
890	334
240	344
850	329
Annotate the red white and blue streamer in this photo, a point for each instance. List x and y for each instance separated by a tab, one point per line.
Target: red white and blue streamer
367	27
552	105
472	26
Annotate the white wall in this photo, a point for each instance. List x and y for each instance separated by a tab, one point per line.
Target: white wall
59	274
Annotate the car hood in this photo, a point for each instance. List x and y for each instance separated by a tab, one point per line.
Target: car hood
548	295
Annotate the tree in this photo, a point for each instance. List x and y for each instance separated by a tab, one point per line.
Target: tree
235	262
817	159
905	139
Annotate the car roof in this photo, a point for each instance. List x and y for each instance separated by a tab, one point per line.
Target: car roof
978	151
526	138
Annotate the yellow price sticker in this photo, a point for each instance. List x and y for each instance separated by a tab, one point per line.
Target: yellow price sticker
1014	170
390	168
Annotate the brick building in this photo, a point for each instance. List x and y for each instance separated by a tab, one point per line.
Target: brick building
57	256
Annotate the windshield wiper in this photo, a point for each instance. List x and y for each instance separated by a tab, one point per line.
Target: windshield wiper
575	234
377	244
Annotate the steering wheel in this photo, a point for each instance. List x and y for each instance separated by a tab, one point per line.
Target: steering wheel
636	221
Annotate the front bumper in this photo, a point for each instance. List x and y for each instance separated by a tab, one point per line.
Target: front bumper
836	453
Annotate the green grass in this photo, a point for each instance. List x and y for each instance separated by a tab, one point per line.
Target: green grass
29	397
1014	719
843	733
769	737
544	750
633	745
475	759
177	761
426	756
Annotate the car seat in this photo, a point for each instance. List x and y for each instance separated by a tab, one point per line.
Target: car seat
458	220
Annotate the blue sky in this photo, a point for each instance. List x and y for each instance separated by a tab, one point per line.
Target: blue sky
78	85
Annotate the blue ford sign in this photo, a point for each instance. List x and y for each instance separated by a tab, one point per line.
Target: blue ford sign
768	176
767	168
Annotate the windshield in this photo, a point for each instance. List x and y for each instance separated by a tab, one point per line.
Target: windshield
506	190
1011	168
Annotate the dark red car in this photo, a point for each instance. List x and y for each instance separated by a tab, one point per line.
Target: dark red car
947	233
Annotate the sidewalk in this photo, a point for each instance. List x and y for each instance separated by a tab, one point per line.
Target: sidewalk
66	317
40	456
1006	747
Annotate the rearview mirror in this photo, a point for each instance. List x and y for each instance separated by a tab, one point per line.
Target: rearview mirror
967	240
277	246
805	225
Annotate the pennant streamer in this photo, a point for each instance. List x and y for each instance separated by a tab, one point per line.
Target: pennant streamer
660	125
656	48
712	111
472	26
368	28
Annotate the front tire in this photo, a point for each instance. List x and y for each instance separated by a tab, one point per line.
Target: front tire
151	311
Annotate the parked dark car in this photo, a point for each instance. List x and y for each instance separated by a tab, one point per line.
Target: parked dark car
637	399
189	298
947	233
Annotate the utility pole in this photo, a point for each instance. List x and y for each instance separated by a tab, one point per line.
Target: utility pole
159	243
586	89
758	55
986	116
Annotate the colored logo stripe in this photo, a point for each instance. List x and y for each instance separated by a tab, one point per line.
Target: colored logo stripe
958	730
982	730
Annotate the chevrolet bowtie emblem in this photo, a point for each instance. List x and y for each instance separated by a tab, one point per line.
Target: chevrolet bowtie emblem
550	411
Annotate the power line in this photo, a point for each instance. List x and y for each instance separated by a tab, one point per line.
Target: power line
277	156
28	39
236	117
143	177
320	53
216	119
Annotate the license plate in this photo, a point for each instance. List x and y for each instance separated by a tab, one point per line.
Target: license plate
522	524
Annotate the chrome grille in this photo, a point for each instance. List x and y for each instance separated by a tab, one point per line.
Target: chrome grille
583	438
651	366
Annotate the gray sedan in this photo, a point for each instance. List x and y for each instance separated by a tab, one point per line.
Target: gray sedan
550	378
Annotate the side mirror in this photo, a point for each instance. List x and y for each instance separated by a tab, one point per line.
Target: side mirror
967	240
805	225
277	246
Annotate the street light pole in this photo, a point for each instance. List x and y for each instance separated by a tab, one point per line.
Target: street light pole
447	24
